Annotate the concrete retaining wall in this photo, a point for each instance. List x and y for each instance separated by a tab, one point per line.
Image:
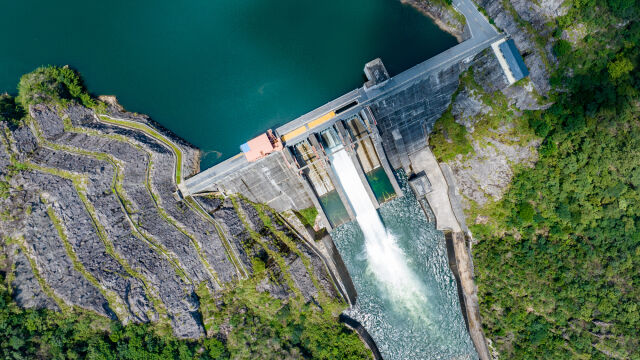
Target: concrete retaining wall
341	269
364	335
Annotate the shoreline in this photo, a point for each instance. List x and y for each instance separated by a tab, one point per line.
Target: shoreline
429	10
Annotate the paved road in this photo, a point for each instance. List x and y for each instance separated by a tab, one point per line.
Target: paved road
482	35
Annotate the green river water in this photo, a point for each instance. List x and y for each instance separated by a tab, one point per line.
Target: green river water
220	72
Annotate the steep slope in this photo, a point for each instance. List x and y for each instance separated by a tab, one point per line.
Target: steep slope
91	223
548	171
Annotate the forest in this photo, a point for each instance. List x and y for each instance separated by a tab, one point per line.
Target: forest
558	264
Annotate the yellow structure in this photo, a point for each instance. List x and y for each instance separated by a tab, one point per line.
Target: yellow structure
294	133
302	129
322	119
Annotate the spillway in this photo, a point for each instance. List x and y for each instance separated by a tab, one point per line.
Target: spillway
386	259
407	297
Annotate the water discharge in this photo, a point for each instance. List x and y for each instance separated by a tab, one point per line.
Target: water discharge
407	297
386	260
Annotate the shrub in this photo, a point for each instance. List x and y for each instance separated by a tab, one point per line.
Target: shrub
53	84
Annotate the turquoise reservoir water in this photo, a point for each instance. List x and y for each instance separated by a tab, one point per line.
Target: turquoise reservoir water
425	323
215	72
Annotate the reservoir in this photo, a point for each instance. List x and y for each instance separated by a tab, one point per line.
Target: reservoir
216	72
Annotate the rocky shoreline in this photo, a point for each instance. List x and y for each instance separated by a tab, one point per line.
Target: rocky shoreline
444	16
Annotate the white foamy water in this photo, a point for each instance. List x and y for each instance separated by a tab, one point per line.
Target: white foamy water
386	260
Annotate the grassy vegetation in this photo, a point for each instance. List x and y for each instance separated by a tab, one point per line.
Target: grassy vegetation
10	112
37	334
53	84
450	139
114	301
116	187
447	4
79	184
289	242
154	134
241	322
231	255
272	255
539	41
36	273
484	12
308	216
268	328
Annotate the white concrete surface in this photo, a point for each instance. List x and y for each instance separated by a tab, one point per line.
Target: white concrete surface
438	197
503	61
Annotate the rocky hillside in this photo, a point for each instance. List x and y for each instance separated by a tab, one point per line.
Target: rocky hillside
484	137
90	222
444	15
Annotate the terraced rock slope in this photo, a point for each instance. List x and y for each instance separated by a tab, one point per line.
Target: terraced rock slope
90	222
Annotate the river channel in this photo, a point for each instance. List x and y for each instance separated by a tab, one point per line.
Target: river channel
409	307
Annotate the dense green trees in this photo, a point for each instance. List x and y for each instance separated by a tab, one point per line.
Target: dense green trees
52	83
9	110
558	265
30	334
255	324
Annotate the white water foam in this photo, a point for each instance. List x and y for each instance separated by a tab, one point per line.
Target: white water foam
386	260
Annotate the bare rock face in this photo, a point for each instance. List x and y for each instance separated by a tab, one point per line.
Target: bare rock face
538	15
26	289
488	73
443	16
92	221
467	107
25	141
486	175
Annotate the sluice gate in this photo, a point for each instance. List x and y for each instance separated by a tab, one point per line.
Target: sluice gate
312	156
